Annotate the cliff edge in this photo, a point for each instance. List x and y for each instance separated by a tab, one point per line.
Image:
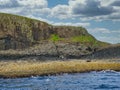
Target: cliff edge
22	37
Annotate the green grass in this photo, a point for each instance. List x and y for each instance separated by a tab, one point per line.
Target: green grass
17	17
55	38
89	40
85	39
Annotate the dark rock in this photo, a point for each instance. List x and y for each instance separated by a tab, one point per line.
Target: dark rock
110	52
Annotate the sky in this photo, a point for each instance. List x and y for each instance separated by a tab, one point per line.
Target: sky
101	18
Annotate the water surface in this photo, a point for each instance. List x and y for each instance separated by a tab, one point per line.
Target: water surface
103	80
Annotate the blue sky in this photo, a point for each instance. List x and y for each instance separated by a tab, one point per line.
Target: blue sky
100	17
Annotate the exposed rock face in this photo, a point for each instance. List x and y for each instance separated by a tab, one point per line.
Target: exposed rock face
22	32
31	38
69	31
47	51
110	52
18	32
65	51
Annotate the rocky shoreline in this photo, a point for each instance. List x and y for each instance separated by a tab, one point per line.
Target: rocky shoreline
64	51
110	52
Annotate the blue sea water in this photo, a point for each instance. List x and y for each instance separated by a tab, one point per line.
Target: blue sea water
103	80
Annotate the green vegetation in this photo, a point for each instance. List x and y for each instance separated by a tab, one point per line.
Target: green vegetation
54	38
84	39
89	40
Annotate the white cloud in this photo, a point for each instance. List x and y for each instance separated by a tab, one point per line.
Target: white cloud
33	3
91	8
99	30
104	34
8	3
74	2
3	2
44	11
23	3
75	9
112	40
116	31
86	10
106	2
14	10
25	7
60	11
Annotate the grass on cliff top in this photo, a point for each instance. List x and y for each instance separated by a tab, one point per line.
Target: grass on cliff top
13	69
83	39
4	15
89	40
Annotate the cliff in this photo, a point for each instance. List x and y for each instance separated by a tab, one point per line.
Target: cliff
30	37
17	32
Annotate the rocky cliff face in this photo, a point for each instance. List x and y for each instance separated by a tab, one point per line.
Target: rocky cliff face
110	52
18	32
21	37
47	51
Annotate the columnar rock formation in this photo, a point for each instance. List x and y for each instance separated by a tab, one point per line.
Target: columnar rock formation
18	32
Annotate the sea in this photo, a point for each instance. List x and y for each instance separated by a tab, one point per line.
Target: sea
102	80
